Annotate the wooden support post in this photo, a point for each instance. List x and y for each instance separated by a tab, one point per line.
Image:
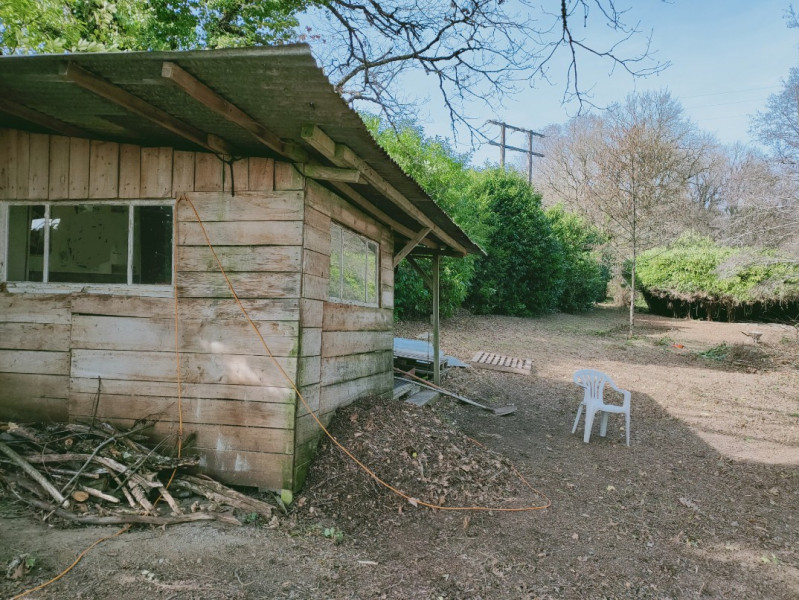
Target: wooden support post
530	157
502	146
436	262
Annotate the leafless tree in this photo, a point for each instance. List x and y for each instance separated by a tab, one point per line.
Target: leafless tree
473	51
777	128
761	203
634	171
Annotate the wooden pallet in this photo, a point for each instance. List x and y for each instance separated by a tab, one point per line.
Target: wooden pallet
489	360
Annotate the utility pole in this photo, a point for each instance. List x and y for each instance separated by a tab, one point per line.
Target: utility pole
504	146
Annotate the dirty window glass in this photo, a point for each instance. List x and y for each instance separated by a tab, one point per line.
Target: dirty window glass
90	243
353	267
26	243
152	244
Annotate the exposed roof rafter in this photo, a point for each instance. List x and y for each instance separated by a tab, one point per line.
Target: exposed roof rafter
378	214
210	99
343	156
109	91
23	112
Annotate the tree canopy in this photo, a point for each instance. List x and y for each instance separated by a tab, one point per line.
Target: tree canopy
474	52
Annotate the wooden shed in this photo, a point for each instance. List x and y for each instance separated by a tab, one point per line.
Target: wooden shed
123	177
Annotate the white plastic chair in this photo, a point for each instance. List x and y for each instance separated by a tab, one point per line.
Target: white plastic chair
594	384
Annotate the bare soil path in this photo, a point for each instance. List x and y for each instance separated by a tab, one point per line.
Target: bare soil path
703	504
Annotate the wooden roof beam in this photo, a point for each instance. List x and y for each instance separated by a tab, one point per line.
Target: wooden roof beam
113	93
212	100
414	241
379	214
315	171
32	116
342	156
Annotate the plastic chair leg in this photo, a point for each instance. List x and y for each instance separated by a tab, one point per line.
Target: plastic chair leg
603	425
589	423
627	427
579	412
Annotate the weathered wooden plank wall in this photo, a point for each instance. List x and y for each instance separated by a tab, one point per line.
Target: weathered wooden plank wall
56	351
34	357
346	350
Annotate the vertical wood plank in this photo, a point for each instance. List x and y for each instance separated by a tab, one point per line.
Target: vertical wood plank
78	168
241	175
182	172
58	179
22	153
129	171
7	164
261	174
287	177
39	166
156	172
104	170
207	173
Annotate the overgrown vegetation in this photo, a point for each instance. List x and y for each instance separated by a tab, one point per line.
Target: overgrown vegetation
523	273
537	261
586	261
699	277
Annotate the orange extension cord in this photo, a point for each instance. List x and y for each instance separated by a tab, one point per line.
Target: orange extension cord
372	474
338	444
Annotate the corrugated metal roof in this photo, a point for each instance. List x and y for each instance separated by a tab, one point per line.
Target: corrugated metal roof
280	87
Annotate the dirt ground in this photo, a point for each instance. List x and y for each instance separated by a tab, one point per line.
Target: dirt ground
703	504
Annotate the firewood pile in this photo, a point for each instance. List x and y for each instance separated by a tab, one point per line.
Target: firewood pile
100	475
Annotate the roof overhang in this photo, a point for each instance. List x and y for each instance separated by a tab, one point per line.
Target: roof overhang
267	101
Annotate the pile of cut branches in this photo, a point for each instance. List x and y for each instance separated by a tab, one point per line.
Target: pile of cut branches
99	475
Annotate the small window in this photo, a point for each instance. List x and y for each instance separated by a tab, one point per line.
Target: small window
90	243
353	267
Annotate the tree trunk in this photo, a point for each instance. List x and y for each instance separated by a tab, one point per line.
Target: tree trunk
632	296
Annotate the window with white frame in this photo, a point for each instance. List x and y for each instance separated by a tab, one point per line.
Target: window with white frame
353	267
89	243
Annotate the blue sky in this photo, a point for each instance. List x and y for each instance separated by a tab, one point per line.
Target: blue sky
726	58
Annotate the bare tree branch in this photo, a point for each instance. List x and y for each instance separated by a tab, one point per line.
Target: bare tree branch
477	51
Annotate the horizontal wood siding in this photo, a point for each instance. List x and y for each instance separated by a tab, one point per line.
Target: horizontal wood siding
65	356
34	357
353	343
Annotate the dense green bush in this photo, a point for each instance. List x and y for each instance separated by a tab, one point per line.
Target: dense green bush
586	270
523	272
538	262
700	277
443	174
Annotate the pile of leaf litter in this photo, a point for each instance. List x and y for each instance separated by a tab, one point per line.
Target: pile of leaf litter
96	474
413	449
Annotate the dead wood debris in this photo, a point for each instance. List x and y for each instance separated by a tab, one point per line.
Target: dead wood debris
97	474
413	449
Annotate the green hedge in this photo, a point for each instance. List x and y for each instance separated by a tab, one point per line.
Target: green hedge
700	277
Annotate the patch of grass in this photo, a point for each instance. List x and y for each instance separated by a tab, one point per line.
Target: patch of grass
719	352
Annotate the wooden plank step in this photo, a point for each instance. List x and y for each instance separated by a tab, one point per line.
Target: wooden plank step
423	397
498	362
402	389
